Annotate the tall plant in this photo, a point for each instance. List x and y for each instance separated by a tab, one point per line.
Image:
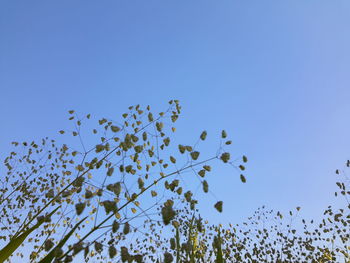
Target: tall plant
131	168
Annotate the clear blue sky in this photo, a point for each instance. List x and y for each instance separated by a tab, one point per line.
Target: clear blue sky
274	74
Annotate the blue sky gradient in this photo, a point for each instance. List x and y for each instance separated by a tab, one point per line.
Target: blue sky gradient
274	74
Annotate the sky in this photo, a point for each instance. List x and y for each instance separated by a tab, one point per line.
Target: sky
273	74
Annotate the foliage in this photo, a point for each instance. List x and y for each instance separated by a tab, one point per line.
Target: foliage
131	176
268	236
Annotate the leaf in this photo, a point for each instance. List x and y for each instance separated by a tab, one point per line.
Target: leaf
7	251
49	257
243	179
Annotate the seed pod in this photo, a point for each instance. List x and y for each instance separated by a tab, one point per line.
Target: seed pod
124	254
79	208
79	181
110	171
138	148
99	192
115	128
174	117
179	190
195	155
48	244
166	141
218	206
182	148
188	196
98	247
150	117
205	186
207	168
66	193
50	194
203	135
225	157
88	194
168	258
172	159
134	138
126	228
140	183
115	188
112	251
201	173
99	148
128	168
223	134
168	214
115	226
144	136
189	148
159	126
110	206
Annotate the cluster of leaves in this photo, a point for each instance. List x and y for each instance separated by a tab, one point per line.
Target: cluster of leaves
267	236
100	200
